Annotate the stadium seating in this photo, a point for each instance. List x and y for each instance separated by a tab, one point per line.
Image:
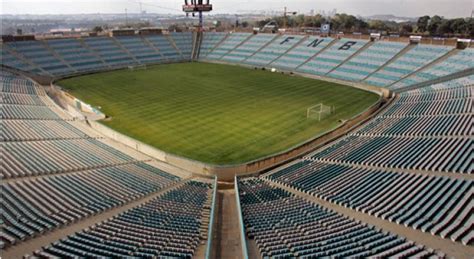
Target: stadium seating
460	61
39	54
246	50
10	60
31	207
109	51
22	99
377	65
184	42
232	41
428	203
165	47
404	126
78	175
209	41
12	84
14	111
330	58
20	130
301	53
419	126
286	226
367	61
410	163
414	59
78	57
170	225
430	108
462	85
58	57
431	154
274	50
140	50
427	129
58	156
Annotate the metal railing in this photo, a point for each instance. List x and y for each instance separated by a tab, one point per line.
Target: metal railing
243	240
210	232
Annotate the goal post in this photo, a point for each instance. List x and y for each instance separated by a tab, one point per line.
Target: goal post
319	111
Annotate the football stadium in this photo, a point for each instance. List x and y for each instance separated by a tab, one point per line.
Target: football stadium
248	142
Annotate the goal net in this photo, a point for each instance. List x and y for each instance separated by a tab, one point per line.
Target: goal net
137	67
319	111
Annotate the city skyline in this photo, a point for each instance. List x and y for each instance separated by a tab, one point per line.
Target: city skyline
407	8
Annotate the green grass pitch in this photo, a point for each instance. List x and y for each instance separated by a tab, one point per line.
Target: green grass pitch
214	113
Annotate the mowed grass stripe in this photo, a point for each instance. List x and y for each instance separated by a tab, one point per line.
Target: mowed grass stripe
216	113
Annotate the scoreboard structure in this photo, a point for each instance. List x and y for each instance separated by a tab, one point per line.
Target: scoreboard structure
197	6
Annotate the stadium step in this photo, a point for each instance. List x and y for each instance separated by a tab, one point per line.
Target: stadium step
390	61
317	54
355	54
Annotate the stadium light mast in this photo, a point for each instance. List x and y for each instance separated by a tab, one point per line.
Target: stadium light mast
197	6
126	17
285	16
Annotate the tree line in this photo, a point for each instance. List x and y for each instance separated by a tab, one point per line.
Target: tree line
425	25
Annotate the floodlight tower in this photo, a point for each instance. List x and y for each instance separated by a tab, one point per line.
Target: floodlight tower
285	16
197	6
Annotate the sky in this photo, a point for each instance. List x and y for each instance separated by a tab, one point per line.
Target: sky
410	8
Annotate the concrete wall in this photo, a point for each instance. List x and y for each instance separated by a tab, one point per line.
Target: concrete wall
128	141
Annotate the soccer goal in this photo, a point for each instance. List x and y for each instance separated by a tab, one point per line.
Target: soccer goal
137	67
319	111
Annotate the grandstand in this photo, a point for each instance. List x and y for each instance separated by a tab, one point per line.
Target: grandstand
288	226
210	41
170	225
230	42
414	59
397	183
368	61
273	50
